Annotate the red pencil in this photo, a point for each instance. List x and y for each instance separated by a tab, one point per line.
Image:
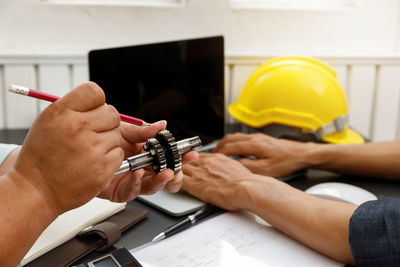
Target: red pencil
22	90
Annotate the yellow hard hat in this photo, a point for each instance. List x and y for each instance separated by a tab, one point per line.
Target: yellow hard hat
298	92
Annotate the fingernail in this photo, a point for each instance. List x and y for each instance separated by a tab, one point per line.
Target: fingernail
177	177
161	121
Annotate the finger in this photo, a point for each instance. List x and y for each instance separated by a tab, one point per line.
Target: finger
102	118
109	139
152	184
130	186
188	183
112	161
84	97
175	184
189	157
123	187
229	138
189	169
240	148
204	155
139	134
201	158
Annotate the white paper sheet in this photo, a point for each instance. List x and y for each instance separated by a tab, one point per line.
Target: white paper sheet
231	239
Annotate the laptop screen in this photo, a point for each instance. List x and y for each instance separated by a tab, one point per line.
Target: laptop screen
179	81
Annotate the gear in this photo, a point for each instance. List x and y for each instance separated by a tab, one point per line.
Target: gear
156	150
174	159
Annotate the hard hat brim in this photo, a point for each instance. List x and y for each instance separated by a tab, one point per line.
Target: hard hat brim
346	136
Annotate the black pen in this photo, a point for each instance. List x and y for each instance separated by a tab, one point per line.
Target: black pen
188	221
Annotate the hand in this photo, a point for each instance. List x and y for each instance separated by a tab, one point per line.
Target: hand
274	157
72	149
224	182
218	179
128	186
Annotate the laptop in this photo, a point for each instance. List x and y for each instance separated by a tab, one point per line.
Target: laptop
179	81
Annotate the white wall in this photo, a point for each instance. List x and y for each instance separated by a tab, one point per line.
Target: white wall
28	27
44	47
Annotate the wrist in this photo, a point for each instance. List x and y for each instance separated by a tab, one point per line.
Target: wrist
252	191
37	198
314	155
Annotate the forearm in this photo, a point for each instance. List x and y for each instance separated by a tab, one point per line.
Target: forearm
372	159
25	215
320	224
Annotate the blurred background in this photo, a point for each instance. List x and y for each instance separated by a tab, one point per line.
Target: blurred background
44	46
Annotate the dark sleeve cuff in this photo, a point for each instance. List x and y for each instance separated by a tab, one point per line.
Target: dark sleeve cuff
374	233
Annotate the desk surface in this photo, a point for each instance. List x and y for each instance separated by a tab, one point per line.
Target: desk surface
157	221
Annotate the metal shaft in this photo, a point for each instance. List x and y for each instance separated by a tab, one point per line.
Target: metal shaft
146	159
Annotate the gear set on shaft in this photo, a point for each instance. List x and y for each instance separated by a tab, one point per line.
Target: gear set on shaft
161	152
